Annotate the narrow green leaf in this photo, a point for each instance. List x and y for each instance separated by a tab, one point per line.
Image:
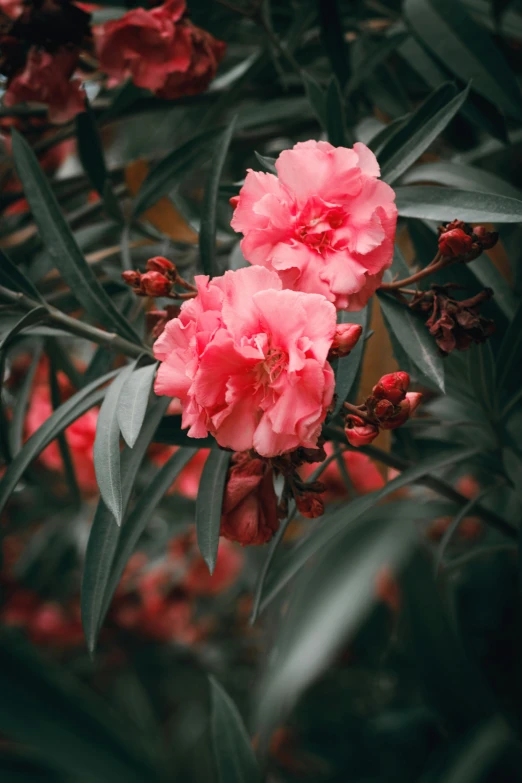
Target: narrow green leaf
107	446
419	140
376	56
209	503
482	376
16	425
513	467
235	760
446	204
410	331
466	49
326	605
331	24
335	120
138	519
69	728
165	175
478	758
317	97
207	232
334	523
62	245
90	149
267	163
104	535
133	401
348	366
458	175
11	277
452	528
71	410
510	352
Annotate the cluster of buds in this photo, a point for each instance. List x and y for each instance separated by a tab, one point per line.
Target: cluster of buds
306	494
454	324
344	341
389	406
159	279
459	241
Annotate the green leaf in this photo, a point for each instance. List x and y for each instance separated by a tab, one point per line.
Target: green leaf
413	335
331	25
335	121
452	528
418	139
477	759
317	97
69	727
16	425
513	467
104	535
327	603
510	352
90	149
446	204
335	522
137	521
376	56
482	376
348	366
62	245
267	163
465	48
106	449
170	432
209	503
235	760
133	401
11	277
166	174
207	232
71	410
457	175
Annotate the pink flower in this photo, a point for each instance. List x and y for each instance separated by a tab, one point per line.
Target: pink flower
11	8
248	363
46	78
326	224
159	50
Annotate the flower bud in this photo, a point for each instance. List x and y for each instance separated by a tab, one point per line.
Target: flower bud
484	238
384	409
392	387
155	284
358	432
399	418
132	278
455	243
234	201
414	398
310	505
345	339
160	264
455	224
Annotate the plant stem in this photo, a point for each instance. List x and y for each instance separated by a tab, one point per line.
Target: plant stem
73	326
437	264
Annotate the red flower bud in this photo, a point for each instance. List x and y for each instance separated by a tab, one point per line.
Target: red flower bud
406	408
455	243
392	387
414	398
310	505
249	513
455	224
155	284
160	264
358	432
345	339
234	201
484	238
384	409
132	278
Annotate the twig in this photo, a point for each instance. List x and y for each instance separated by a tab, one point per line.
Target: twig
437	264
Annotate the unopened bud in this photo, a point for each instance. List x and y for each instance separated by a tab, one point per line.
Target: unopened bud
359	432
131	278
155	284
384	409
392	387
310	505
345	339
486	239
234	201
415	399
402	415
455	243
160	264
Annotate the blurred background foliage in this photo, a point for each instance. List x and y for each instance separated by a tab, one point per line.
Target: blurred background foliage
387	638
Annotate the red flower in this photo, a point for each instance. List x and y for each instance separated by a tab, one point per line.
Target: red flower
46	78
455	243
159	50
250	502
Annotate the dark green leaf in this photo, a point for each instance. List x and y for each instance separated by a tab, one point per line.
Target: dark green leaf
413	334
334	523
452	528
510	353
166	174
335	120
137	520
90	149
106	449
46	711
482	376
105	534
348	366
62	245
316	96
513	467
209	503
466	49
457	175
235	760
16	425
417	136
267	163
207	232
477	760
11	277
133	401
169	431
446	204
328	601
331	24
377	55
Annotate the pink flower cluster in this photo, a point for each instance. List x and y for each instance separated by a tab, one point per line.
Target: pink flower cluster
325	224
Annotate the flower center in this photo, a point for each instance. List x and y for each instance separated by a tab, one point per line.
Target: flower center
318	223
270	368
